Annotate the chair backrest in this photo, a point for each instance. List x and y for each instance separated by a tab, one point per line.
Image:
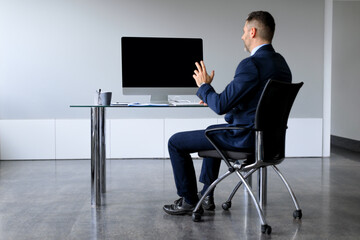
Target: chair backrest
272	115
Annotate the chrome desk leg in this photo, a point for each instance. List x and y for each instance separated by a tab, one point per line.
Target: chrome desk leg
262	187
98	156
102	150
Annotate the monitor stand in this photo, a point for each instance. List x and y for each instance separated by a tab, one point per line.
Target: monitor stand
159	98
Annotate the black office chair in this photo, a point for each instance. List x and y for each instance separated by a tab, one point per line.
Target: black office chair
271	118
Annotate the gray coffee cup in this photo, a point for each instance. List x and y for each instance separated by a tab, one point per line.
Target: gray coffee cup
105	98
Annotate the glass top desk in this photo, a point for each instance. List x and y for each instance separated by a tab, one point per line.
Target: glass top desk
98	145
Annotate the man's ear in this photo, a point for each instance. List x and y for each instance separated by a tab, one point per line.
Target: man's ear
252	32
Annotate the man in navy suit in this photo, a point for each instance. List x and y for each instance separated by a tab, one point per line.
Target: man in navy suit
238	101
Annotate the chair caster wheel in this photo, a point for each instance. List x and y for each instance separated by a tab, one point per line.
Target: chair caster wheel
266	229
226	205
196	217
297	214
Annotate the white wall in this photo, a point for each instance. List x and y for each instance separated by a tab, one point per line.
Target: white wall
56	53
346	70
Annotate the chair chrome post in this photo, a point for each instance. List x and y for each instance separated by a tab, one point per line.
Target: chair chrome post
262	175
259	148
97	155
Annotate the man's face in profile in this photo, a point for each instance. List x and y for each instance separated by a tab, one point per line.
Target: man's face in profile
246	37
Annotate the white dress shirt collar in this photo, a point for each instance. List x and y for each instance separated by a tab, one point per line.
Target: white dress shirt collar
257	48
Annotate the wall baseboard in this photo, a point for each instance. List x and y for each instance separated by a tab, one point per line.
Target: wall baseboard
346	143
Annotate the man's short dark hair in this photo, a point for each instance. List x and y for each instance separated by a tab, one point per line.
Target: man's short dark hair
266	22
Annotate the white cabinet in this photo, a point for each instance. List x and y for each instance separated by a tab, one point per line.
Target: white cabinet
128	138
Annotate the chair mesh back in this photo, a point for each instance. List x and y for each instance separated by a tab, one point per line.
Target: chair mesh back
272	115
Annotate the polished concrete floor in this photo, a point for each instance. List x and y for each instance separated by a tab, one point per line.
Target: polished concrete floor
51	200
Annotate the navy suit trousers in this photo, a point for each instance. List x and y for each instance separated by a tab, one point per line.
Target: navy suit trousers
181	145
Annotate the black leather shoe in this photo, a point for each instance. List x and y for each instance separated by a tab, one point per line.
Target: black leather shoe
180	207
208	203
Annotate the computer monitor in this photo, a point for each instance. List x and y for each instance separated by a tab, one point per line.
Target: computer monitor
159	66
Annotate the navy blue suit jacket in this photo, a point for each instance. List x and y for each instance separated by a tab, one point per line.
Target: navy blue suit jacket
240	97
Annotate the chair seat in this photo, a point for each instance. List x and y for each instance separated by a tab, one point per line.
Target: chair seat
231	155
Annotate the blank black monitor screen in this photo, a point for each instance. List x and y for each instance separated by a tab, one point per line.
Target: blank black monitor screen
149	62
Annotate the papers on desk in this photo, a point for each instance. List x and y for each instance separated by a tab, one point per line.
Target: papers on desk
120	104
136	104
185	104
178	104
